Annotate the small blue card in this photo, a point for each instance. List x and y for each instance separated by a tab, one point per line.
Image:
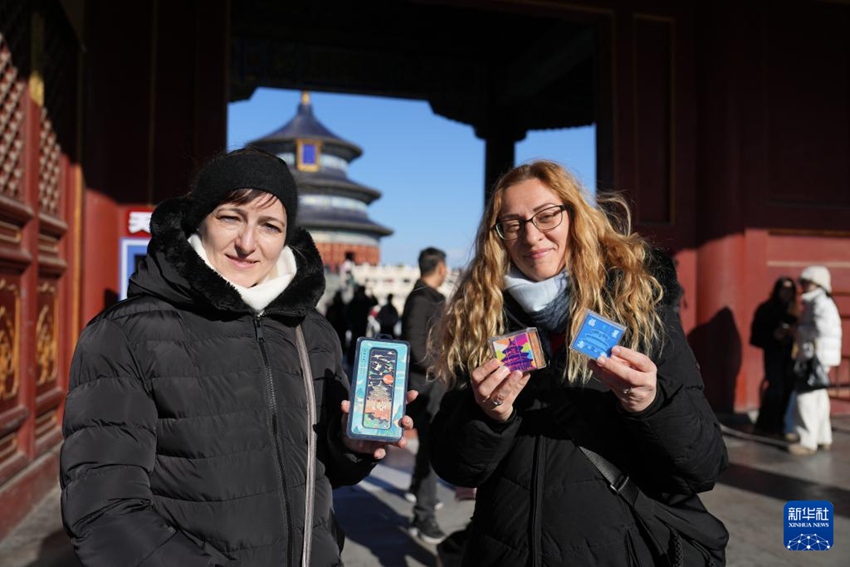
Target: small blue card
597	335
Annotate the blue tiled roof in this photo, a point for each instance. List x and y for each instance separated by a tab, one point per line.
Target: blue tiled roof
331	218
305	125
361	225
315	182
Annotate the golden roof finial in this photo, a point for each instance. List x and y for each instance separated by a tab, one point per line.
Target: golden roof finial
305	97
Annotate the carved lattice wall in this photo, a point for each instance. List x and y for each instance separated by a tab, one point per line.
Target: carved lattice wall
38	70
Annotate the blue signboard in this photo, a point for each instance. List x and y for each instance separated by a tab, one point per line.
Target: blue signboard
132	252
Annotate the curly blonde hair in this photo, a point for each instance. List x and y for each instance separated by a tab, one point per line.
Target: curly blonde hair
605	261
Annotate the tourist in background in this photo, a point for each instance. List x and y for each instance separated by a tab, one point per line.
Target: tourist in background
387	317
357	314
335	314
818	334
421	315
772	330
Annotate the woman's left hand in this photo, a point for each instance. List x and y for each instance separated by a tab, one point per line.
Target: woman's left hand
377	449
632	376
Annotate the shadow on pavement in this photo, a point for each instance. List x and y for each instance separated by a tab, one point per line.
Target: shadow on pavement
56	551
780	487
368	521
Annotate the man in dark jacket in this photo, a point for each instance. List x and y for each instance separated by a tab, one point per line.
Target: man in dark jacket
194	435
422	311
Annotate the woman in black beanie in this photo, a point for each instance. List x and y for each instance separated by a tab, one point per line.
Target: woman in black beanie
194	435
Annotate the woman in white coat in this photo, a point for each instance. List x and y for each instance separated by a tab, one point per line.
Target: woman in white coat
818	333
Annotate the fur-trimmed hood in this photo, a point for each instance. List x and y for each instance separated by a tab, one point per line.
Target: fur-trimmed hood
174	272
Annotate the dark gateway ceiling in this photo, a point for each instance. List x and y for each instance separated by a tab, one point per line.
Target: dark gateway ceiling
507	70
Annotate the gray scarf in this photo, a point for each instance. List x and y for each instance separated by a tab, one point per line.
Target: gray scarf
546	302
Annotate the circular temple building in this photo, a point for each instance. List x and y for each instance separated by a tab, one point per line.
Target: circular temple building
332	207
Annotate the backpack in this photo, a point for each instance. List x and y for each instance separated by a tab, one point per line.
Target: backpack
387	316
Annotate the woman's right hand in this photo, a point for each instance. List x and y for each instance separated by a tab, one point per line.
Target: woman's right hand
496	388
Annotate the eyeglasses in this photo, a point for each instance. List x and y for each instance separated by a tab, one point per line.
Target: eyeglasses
545	220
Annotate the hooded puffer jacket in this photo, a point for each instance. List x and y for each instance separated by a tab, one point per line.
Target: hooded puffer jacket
186	428
540	501
819	329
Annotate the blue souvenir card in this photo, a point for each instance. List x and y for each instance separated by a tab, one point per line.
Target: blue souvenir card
378	389
597	335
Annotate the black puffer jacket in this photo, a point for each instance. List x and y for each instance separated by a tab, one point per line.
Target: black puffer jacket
540	501
186	423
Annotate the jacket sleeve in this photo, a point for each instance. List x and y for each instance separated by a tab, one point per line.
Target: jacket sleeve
825	331
107	457
343	467
466	445
678	437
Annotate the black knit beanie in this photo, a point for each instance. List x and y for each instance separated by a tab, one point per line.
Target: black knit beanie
242	169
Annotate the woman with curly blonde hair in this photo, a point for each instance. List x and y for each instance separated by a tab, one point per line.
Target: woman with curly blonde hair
544	255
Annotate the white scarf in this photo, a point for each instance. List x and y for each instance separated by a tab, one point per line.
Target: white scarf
546	302
260	295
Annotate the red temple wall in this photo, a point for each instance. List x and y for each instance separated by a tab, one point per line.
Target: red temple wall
728	139
164	118
40	191
333	254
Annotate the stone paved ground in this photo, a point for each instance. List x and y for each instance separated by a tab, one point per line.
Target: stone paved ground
749	498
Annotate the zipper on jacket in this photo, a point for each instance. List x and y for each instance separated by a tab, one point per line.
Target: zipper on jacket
274	420
537	481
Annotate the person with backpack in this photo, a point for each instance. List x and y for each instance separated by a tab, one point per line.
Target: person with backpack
387	317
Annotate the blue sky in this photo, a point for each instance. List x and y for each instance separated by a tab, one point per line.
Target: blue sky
430	170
